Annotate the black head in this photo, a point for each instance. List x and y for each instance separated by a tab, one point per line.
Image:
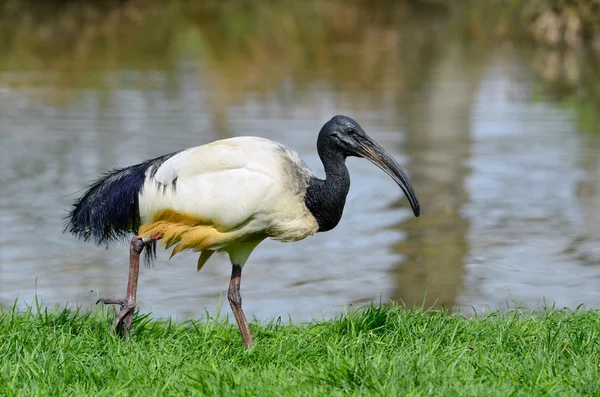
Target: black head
344	136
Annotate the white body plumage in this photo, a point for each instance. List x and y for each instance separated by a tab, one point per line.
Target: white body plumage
227	195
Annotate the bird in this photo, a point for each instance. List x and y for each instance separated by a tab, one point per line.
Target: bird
225	196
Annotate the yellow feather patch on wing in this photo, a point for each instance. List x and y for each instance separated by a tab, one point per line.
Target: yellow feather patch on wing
185	232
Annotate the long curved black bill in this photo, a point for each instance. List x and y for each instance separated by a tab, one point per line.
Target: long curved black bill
373	152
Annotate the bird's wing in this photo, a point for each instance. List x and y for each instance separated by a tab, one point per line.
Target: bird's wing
225	154
223	184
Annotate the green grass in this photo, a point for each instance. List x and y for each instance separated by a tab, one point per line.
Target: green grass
387	351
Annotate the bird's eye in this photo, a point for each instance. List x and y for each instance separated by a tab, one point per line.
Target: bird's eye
350	131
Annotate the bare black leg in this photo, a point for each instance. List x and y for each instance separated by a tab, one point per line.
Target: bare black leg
123	320
235	301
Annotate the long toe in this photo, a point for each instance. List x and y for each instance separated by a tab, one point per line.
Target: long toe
123	321
111	301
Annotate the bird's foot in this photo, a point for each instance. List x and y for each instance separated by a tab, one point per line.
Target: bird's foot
122	323
109	301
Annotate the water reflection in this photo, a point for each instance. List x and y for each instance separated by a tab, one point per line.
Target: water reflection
438	128
524	207
503	154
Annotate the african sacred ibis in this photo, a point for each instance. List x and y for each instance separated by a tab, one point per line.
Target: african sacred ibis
228	195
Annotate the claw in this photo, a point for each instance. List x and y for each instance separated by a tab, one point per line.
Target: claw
123	320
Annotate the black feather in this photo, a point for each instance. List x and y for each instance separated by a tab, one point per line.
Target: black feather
109	209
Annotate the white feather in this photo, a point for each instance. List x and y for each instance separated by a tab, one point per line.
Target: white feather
245	181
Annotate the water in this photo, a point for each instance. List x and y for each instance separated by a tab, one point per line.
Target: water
508	180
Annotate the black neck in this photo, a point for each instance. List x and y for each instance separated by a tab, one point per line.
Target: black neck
326	198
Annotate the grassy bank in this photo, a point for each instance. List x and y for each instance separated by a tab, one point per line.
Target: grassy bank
379	351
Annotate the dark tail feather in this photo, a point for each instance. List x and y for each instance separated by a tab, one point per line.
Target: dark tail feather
109	209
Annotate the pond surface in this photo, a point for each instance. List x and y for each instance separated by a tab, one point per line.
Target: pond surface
508	180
